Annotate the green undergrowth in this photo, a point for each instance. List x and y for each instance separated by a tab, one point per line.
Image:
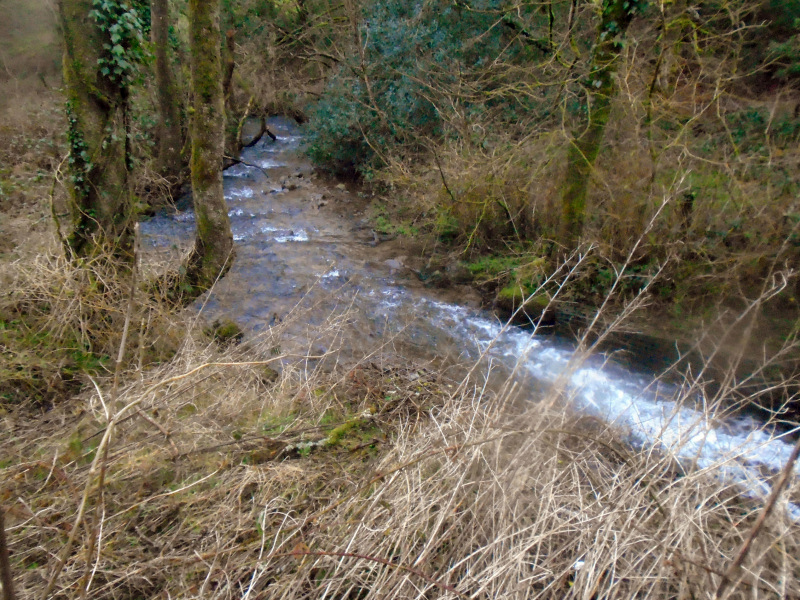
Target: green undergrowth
395	220
37	368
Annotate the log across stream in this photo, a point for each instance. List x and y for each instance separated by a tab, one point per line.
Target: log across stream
297	257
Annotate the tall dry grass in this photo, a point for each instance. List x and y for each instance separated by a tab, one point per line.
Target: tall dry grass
261	472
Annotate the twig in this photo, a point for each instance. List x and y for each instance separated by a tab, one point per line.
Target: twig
239	161
759	524
5	564
128	313
158	426
441	175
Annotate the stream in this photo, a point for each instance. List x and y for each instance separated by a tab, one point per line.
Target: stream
306	256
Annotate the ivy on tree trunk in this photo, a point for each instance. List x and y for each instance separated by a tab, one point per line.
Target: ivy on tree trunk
97	111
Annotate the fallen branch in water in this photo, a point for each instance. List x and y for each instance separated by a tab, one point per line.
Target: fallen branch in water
264	129
239	161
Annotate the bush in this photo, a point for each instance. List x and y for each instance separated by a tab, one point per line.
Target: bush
396	98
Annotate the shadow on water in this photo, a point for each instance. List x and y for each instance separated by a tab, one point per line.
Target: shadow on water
296	257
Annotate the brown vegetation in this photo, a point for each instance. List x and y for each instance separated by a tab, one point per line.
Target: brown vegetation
224	477
194	465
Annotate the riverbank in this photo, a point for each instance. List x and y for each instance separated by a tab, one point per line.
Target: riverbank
224	476
708	330
324	456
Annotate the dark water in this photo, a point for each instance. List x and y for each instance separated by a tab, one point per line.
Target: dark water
318	272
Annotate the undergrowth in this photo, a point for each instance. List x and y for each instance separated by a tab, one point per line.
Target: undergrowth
250	468
712	227
241	473
62	320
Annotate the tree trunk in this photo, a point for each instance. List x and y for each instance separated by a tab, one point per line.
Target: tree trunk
213	248
587	139
97	111
169	124
230	66
232	145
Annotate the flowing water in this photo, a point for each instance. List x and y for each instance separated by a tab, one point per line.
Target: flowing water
295	255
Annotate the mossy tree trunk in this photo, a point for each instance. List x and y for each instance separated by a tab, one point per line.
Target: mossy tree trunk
97	110
213	248
588	137
169	116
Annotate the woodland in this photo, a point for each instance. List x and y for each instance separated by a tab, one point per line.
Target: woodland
621	174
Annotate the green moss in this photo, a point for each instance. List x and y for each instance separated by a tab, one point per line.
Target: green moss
489	267
513	297
517	295
225	332
336	436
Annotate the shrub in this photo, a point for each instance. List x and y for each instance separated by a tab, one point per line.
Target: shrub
391	97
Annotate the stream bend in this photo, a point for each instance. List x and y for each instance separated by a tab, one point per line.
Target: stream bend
294	254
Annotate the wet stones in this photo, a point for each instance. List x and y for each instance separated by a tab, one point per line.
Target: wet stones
513	304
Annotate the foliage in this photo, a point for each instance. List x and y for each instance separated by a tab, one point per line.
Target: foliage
80	162
387	98
123	26
787	55
251	18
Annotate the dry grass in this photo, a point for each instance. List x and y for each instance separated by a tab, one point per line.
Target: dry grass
481	195
254	473
251	473
62	318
